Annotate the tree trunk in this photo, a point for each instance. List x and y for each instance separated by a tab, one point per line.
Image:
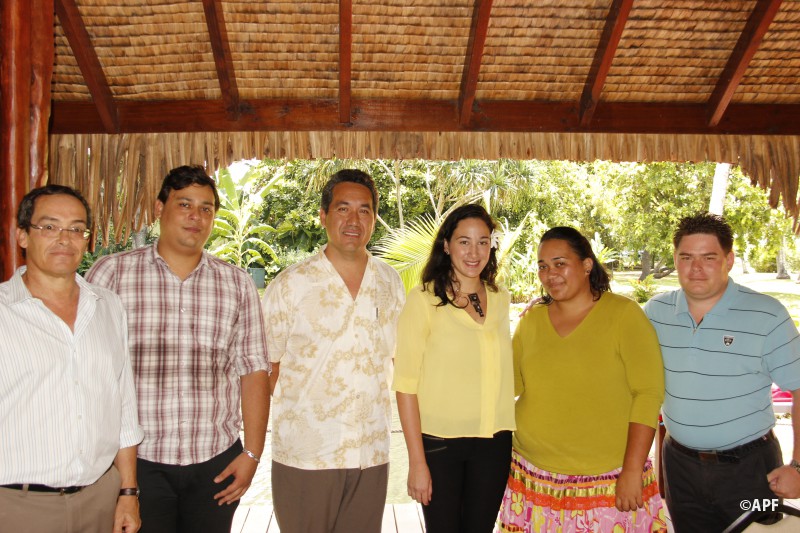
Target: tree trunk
719	188
782	272
647	260
139	238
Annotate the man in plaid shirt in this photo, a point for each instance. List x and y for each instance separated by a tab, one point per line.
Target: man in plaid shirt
198	352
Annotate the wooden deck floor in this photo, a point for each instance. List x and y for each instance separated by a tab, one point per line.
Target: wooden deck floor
398	518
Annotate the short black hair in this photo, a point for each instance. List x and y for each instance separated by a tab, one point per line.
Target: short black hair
708	224
28	203
181	177
599	280
353	176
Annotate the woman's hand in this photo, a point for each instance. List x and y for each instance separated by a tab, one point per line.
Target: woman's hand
629	491
419	483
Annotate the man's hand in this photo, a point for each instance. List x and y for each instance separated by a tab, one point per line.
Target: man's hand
243	468
126	515
784	481
629	491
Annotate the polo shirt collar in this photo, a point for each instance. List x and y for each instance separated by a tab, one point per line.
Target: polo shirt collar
721	308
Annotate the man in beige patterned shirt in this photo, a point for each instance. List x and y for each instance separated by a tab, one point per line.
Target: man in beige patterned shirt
331	333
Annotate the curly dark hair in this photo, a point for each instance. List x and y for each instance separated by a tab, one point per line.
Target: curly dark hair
181	177
438	272
599	281
708	224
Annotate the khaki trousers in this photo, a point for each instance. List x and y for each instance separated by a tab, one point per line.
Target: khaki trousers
88	511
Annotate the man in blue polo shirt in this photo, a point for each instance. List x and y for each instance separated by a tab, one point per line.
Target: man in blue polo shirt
723	345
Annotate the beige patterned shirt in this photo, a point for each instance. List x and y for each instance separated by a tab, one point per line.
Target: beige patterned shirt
331	406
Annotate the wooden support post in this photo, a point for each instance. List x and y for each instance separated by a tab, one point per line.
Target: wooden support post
15	88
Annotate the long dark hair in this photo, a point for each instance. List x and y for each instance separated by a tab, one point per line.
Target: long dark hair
599	282
438	273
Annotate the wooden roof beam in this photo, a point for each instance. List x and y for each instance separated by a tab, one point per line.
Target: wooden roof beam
88	62
345	59
220	47
427	115
472	65
762	16
603	57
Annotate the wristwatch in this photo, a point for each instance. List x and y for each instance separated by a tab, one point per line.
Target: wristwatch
129	492
794	464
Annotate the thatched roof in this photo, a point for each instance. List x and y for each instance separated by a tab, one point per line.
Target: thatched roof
150	85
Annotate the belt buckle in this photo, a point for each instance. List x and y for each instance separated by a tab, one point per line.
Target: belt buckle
708	456
69	490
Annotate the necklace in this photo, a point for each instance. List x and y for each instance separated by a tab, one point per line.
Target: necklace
476	303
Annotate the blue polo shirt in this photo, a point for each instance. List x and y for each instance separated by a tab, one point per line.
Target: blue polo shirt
719	374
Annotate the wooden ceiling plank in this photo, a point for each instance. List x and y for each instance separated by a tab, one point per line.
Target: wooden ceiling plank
89	63
603	57
472	65
428	115
757	24
345	59
220	47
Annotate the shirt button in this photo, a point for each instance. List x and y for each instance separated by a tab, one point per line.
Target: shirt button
183	309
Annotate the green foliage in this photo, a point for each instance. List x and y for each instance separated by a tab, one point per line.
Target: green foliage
237	234
407	249
520	276
644	289
653	198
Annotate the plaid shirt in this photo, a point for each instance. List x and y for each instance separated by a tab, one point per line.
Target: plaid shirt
190	341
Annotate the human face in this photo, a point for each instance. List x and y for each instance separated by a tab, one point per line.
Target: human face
57	256
564	275
469	248
186	219
350	219
703	267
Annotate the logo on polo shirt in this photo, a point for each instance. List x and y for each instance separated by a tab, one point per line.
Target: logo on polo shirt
727	339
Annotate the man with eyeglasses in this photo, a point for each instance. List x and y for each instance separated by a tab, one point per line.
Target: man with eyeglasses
68	420
199	354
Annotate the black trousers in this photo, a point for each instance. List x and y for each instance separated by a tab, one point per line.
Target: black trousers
706	497
180	499
468	476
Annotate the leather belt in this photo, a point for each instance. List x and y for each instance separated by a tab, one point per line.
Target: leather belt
733	455
33	487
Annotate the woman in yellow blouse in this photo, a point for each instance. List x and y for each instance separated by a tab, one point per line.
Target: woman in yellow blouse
454	380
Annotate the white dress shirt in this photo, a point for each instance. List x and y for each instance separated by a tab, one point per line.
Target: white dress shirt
67	401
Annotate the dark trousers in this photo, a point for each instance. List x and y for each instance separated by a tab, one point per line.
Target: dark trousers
468	476
180	499
705	496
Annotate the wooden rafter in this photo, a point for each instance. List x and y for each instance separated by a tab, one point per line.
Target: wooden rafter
428	115
218	33
87	59
762	16
345	59
472	64
604	55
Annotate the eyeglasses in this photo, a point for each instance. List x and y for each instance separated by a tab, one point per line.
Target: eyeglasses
50	231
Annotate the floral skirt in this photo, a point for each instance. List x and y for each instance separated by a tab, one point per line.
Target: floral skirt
538	501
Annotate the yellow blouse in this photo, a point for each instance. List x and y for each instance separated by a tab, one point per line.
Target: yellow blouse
461	371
